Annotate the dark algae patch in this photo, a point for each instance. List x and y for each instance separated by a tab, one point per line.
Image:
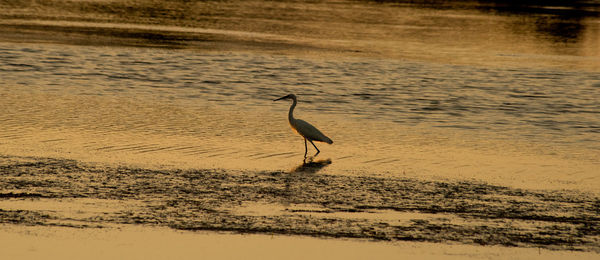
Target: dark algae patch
301	203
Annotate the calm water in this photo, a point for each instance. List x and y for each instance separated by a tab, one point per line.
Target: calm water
410	103
552	106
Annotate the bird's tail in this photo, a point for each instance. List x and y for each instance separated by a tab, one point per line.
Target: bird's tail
328	140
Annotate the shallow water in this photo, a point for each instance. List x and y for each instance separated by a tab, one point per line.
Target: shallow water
403	90
522	103
184	108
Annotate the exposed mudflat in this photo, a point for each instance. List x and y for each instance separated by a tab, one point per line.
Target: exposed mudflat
59	192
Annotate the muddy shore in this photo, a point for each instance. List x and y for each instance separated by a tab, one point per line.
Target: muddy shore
36	192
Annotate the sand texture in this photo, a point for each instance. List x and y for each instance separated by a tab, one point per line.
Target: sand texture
56	192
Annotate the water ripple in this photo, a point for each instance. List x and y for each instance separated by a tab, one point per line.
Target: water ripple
505	102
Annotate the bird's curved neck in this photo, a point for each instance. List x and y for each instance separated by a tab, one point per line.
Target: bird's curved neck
291	113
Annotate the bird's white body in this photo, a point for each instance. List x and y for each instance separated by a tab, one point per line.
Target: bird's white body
308	131
303	128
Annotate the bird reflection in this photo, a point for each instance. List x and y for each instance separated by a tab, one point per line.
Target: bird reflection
311	166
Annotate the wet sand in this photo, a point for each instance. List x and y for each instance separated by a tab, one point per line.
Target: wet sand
50	192
135	242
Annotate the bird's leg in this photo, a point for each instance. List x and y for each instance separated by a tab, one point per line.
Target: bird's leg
314	146
305	149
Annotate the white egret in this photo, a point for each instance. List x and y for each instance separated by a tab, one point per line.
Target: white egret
303	128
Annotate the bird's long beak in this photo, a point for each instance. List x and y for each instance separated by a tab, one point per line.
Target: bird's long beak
280	98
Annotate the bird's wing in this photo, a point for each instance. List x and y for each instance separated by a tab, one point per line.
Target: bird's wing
310	132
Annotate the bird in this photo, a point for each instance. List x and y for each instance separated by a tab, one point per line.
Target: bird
303	128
